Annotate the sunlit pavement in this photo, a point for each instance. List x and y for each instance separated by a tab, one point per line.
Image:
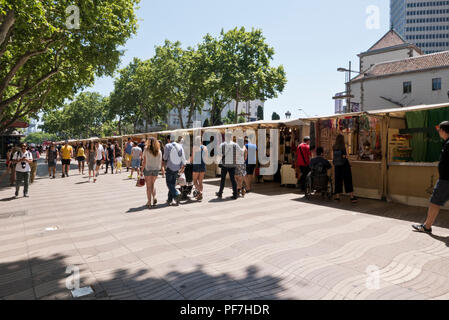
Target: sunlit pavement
271	245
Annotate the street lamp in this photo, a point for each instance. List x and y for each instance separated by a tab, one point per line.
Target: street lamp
348	93
288	115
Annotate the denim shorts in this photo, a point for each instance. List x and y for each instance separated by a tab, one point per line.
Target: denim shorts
150	173
135	163
440	193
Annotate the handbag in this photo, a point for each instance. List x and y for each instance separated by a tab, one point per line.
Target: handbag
181	180
140	181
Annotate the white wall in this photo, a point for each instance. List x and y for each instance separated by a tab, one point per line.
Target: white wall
392	87
368	61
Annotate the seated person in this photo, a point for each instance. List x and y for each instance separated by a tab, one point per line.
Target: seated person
319	165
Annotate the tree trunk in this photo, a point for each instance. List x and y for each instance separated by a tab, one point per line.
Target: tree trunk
181	122
6	23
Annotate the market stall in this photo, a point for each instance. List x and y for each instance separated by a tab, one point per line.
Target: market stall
414	148
363	136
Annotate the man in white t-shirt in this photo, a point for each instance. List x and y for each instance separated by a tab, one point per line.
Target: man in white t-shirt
99	157
23	159
136	160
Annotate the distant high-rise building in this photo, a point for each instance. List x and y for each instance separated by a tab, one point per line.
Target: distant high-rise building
424	23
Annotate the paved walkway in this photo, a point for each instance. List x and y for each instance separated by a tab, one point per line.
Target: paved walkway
270	245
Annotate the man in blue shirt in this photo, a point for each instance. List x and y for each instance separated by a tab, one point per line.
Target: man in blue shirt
251	163
175	161
128	149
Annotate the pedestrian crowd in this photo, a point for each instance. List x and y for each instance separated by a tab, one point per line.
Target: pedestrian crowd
152	157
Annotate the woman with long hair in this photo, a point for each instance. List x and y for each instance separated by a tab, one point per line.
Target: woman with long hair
199	166
91	154
80	157
343	173
151	165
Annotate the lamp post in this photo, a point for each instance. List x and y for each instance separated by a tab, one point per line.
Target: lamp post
348	93
288	115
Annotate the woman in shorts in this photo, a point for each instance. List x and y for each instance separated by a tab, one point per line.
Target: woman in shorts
118	158
81	158
151	165
91	153
240	169
199	166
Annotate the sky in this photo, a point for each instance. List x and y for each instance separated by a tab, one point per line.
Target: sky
311	40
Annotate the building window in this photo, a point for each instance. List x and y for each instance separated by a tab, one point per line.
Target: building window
407	87
436	84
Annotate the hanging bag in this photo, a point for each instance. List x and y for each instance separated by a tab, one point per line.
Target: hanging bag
141	181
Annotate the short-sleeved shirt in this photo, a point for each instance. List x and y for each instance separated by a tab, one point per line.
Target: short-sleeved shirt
19	155
110	152
128	148
66	152
339	157
303	158
174	156
443	166
80	152
136	152
252	153
230	152
100	151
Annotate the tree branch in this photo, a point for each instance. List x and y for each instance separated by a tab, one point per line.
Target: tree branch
20	63
7	22
4	104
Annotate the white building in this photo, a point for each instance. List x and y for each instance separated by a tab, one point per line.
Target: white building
396	74
249	108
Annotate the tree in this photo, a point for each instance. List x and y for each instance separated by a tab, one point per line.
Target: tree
43	62
230	118
180	78
206	123
260	113
275	116
242	66
82	118
40	137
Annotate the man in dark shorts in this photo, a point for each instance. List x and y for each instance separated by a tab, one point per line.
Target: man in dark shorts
441	193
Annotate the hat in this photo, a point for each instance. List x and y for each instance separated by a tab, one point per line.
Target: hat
306	138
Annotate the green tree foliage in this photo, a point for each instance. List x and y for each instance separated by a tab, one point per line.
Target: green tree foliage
275	116
40	137
241	65
43	62
87	116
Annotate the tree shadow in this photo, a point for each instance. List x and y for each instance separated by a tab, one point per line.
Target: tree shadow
38	278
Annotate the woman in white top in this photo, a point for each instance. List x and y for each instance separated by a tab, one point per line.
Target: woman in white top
151	165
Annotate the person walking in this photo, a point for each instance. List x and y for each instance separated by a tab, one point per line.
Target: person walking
110	157
128	157
240	169
152	164
51	159
91	159
163	166
100	155
36	156
118	158
175	161
302	164
440	194
66	156
81	158
228	151
342	167
251	162
136	159
199	166
22	160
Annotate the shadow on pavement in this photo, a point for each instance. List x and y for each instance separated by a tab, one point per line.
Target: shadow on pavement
39	278
381	208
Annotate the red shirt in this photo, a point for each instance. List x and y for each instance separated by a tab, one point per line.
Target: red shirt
305	148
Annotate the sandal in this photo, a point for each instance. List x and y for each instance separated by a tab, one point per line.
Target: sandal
154	203
354	200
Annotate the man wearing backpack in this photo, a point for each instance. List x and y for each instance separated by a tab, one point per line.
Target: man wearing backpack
22	160
303	155
175	161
